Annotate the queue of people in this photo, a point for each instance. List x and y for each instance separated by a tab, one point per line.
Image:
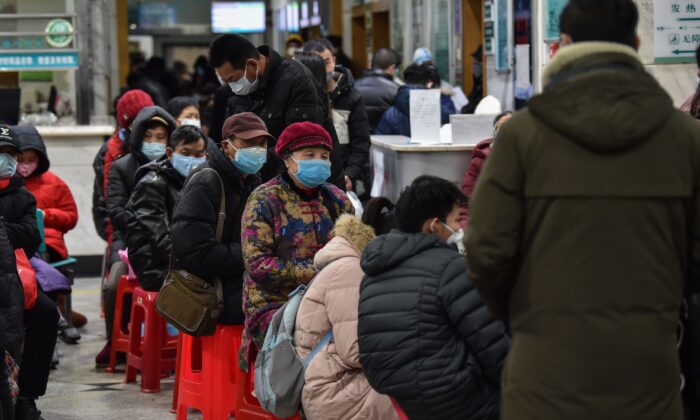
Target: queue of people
550	286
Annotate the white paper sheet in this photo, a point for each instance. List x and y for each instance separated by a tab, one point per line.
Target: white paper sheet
425	116
522	66
378	163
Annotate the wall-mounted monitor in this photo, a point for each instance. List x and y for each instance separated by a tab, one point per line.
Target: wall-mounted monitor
238	16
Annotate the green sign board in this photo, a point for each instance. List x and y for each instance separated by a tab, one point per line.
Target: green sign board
552	13
38	61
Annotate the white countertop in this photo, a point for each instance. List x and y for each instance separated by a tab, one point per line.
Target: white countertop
402	144
75	131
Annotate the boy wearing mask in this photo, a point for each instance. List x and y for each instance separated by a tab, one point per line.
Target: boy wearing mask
150	208
419	314
147	142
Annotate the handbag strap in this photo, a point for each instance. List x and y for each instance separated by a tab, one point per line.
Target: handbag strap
219	229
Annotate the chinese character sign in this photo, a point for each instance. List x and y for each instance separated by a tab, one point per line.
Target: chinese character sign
676	30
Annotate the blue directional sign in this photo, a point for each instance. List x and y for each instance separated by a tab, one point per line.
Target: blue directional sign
38	61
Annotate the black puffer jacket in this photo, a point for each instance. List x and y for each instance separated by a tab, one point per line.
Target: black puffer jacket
425	337
100	215
287	94
149	212
350	121
19	211
122	177
194	230
378	89
11	295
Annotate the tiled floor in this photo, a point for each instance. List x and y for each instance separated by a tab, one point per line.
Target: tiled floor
77	391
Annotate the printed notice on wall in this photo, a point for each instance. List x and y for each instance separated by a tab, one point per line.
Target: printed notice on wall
676	30
378	164
425	116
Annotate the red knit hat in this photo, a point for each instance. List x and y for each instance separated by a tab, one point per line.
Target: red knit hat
300	135
129	106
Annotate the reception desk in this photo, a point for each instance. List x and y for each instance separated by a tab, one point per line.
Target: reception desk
396	163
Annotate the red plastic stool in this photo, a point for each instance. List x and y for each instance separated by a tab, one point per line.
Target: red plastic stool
212	388
154	353
173	406
120	338
399	410
248	406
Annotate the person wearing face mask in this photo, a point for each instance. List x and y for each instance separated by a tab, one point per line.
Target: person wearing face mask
127	108
479	154
53	198
195	248
147	142
397	119
279	90
186	111
420	314
18	207
150	208
349	117
285	222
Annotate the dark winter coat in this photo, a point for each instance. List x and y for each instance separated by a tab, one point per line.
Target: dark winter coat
100	216
150	211
378	89
288	93
52	194
11	295
122	177
584	231
19	211
350	121
479	154
397	119
425	337
193	230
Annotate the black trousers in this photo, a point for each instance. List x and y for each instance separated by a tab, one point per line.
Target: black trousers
6	403
41	330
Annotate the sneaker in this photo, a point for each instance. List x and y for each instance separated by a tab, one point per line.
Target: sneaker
102	359
25	409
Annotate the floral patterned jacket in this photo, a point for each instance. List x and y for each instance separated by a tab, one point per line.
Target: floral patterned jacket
282	229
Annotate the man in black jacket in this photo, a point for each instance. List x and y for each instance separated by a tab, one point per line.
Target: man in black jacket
277	89
147	142
150	208
194	244
378	87
425	337
41	321
349	117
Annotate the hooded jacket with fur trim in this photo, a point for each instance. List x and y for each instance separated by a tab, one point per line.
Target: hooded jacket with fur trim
335	386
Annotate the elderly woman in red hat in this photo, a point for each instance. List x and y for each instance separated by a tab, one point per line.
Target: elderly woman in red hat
285	222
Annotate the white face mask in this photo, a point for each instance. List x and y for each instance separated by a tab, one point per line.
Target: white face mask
457	238
191	121
243	86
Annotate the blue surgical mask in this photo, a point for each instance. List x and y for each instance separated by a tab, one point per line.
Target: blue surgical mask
8	165
185	164
153	151
312	172
249	160
243	86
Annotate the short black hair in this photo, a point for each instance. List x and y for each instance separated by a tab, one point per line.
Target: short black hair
434	73
600	20
315	63
385	58
186	134
416	75
426	197
379	213
233	49
317	46
179	103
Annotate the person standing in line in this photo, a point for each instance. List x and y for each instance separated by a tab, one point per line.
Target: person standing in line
584	230
279	90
